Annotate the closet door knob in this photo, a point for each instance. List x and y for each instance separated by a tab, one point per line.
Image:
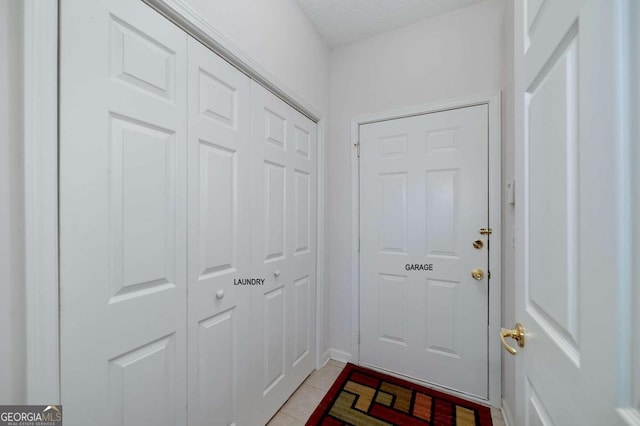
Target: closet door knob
219	294
276	273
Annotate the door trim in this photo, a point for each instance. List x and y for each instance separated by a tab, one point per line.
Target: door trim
493	101
40	133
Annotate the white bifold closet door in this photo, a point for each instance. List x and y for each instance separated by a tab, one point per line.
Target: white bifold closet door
178	175
283	247
123	227
220	362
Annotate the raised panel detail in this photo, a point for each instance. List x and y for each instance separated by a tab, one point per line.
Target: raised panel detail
217	396
217	209
141	379
552	117
301	318
535	412
141	61
441	314
393	146
217	100
274	338
393	203
303	142
302	212
275	129
392	306
442	140
533	8
142	203
274	182
441	212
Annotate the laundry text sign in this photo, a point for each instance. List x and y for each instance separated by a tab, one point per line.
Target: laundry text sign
248	281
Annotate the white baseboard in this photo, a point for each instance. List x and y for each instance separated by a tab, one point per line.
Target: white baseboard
326	357
341	356
506	414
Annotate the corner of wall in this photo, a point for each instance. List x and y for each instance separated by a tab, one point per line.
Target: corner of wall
341	356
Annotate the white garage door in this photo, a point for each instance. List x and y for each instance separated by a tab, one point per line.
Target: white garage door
423	202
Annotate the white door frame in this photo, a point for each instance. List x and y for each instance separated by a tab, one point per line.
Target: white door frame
40	135
492	100
40	111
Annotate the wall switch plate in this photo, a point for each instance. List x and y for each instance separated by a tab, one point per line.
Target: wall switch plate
511	192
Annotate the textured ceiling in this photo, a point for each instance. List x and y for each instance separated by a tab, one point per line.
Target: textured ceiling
345	21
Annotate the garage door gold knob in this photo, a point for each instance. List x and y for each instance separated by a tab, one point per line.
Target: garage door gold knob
477	274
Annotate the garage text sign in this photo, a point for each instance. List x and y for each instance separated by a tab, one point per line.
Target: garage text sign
419	266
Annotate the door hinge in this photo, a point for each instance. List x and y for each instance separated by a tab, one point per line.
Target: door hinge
489	274
358	337
357	145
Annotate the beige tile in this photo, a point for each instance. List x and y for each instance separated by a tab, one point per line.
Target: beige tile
323	379
282	419
302	403
498	421
335	363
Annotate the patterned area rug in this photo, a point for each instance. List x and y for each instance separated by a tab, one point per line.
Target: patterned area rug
363	397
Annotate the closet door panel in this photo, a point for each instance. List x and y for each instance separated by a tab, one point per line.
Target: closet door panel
283	246
275	204
123	230
219	240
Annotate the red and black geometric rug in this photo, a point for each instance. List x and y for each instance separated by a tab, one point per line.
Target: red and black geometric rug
363	397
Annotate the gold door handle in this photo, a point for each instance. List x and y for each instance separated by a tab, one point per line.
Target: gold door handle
517	334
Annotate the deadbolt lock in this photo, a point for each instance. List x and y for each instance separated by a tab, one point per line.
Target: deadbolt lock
485	231
478	244
477	274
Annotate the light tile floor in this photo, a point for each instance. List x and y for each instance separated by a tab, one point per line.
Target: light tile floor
297	410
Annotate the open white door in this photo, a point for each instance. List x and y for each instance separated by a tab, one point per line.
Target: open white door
574	225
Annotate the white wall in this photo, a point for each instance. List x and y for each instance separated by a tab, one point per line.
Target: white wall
12	341
280	37
449	56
